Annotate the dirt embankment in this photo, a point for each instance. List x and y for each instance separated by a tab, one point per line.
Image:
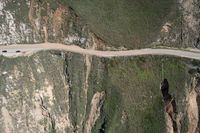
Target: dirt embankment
96	104
192	111
192	105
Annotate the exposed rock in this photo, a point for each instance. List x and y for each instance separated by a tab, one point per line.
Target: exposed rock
96	104
30	98
192	111
192	105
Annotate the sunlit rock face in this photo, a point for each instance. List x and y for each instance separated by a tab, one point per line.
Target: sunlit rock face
34	98
34	21
49	92
14	25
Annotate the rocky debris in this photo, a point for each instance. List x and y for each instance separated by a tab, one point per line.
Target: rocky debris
190	11
170	35
124	117
96	104
166	27
196	82
196	42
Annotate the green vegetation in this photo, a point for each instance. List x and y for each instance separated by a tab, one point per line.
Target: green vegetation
128	23
18	9
132	90
133	101
75	70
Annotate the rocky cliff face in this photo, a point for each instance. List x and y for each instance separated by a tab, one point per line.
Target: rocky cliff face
48	93
54	92
29	98
35	21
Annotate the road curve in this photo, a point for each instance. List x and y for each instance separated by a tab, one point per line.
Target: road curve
27	49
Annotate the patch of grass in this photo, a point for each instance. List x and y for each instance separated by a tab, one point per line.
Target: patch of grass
133	87
129	23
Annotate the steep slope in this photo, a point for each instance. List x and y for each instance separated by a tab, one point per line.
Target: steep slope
65	92
142	23
109	24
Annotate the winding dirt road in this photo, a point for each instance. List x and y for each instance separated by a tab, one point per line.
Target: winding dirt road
28	49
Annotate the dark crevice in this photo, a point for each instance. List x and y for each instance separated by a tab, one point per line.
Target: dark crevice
44	108
72	111
170	104
102	129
